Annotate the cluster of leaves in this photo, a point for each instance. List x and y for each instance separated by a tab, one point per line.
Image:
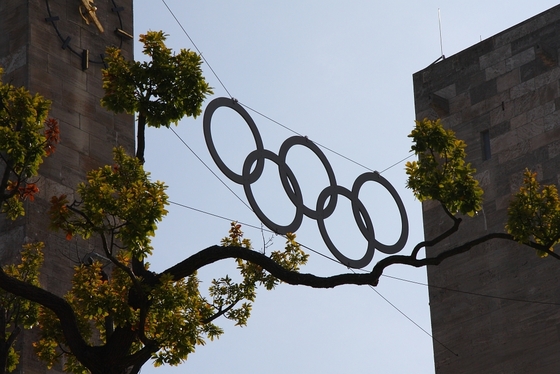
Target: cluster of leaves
534	214
173	321
119	200
24	143
161	91
164	89
441	172
226	293
99	304
16	312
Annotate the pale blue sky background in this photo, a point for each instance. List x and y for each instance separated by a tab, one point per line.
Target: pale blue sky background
340	73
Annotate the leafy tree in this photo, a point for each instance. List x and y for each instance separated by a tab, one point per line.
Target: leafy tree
27	136
534	215
16	312
24	143
119	314
161	91
441	173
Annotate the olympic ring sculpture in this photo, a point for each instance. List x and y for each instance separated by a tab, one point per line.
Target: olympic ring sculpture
293	190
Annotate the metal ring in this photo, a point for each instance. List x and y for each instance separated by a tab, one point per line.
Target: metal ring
284	148
376	177
206	122
260	156
368	234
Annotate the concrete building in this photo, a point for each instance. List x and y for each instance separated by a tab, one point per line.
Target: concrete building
502	97
46	46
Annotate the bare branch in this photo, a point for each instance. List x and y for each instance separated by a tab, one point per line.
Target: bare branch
220	312
216	253
436	240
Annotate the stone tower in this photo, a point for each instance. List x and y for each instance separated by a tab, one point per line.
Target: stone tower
48	47
502	97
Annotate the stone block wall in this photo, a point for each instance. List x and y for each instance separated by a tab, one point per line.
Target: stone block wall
32	54
496	309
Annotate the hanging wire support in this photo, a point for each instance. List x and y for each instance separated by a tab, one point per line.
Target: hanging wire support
196	47
211	171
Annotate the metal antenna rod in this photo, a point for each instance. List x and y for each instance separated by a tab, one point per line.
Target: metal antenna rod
440	37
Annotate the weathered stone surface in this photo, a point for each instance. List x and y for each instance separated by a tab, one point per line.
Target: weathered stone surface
508	86
31	53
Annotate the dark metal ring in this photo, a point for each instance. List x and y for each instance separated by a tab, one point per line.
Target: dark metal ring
284	148
376	177
206	122
361	209
261	155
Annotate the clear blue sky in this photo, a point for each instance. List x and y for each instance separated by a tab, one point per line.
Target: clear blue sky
341	74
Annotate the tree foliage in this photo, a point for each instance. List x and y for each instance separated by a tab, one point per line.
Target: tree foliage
160	91
164	317
119	202
534	214
441	172
17	313
27	136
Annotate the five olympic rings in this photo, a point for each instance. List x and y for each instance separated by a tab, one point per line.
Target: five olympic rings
291	186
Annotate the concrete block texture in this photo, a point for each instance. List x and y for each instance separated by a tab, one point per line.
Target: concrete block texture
496	308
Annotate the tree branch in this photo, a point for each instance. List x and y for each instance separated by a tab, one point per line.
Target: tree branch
138	359
377	270
216	253
58	305
13	336
220	312
141	137
439	238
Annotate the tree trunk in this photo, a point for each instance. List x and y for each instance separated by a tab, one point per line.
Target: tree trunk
141	137
3	357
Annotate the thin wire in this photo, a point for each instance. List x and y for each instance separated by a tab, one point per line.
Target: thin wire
252	226
473	293
411	320
259	113
440	33
195	47
408	318
324	146
396	163
270	119
297	133
217	216
211	171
